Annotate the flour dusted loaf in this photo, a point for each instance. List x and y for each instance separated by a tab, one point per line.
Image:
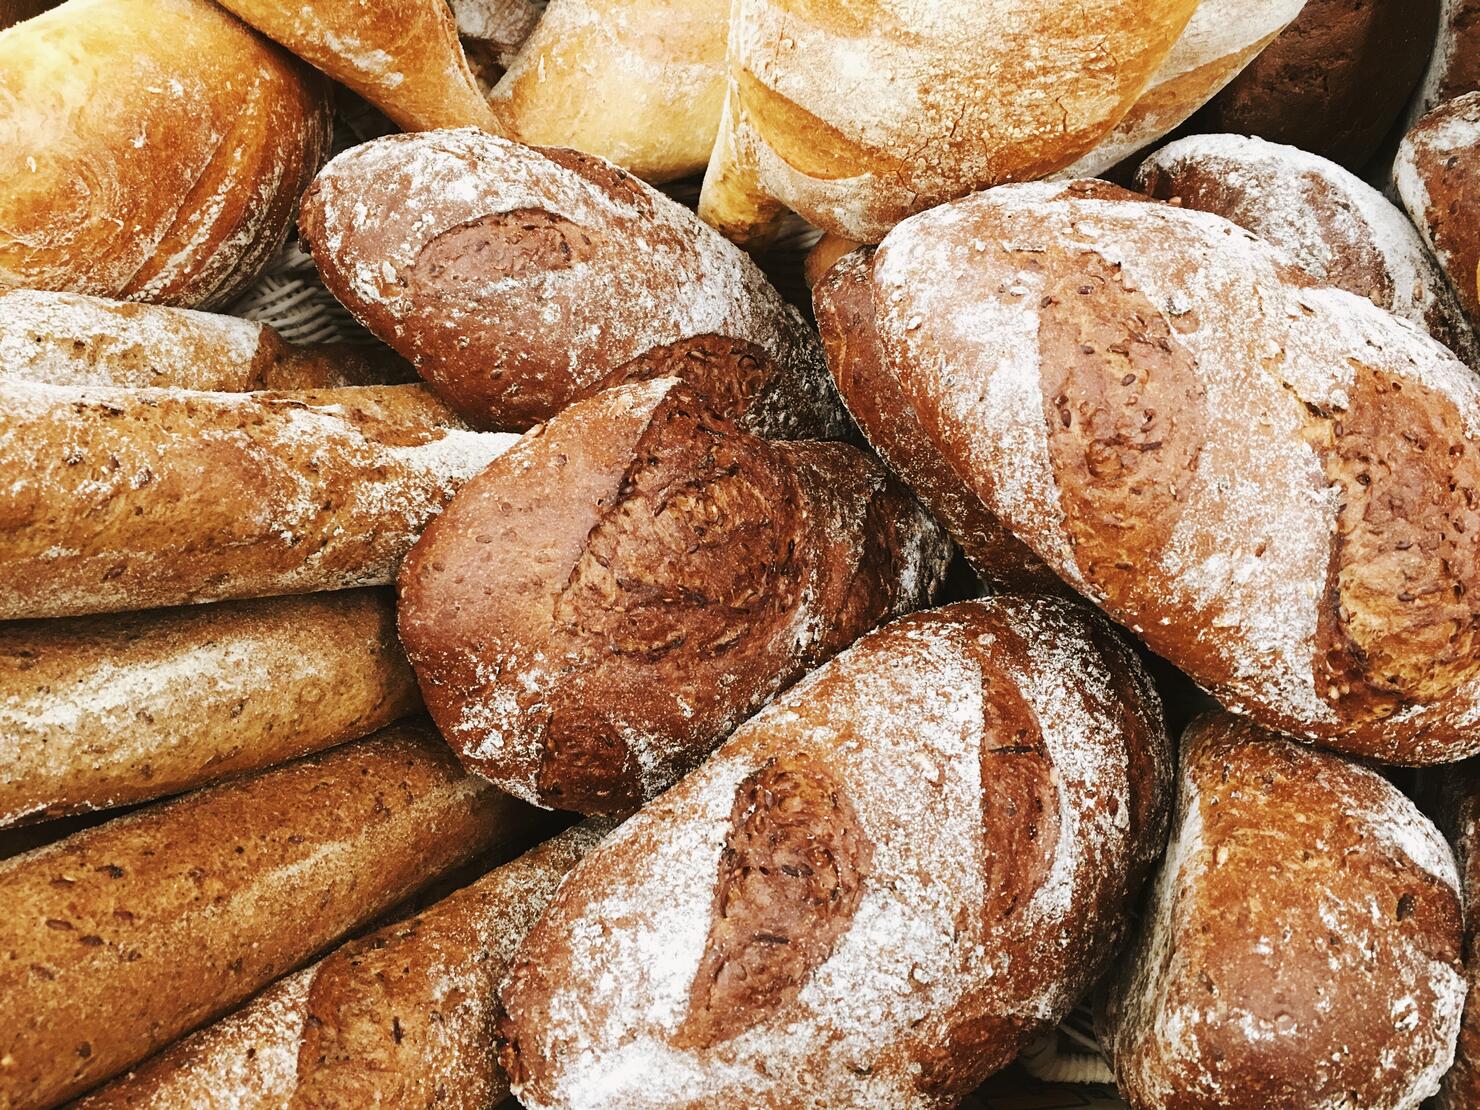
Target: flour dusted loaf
1437	175
150	166
1273	483
97	712
596	611
1454	68
518	280
1338	228
1459	812
135	498
120	938
857	115
402	1017
1302	945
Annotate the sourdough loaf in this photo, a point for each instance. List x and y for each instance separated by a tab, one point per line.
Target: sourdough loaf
153	167
135	498
1301	948
873	894
120	938
1273	483
1459	809
518	280
598	609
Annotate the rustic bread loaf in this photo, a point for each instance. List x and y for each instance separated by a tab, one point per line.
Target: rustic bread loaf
135	498
1338	228
71	339
597	610
1454	68
97	712
400	1018
1437	175
1273	483
120	938
873	894
1335	82
637	82
147	166
1459	811
1302	945
1222	38
518	280
404	57
857	115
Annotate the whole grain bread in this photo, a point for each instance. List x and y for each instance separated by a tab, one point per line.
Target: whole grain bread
597	610
1454	68
873	894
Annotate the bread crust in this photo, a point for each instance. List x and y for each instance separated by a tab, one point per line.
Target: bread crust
595	612
1459	816
1454	68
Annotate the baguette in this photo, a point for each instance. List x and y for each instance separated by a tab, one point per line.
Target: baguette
120	938
495	269
599	608
1302	943
874	894
136	498
402	1017
97	712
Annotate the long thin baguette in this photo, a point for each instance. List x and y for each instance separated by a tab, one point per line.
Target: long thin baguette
118	939
136	498
98	712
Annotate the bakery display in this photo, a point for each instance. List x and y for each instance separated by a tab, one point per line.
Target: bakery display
150	167
1435	175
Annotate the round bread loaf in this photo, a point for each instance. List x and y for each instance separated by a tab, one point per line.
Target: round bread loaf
1338	228
1275	484
154	167
1302	944
595	612
875	892
519	280
1335	82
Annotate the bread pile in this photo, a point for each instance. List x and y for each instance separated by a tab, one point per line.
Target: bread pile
617	681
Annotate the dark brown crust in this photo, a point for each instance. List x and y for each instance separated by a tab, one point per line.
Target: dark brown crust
1459	816
1450	175
1463	34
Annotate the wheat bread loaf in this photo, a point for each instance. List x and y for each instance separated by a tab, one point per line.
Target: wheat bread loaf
1454	67
596	611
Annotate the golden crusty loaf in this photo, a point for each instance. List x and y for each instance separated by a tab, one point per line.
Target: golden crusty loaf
72	339
875	892
598	609
153	167
402	1017
637	82
135	498
518	280
1338	228
857	115
1302	946
402	56
122	937
97	712
1275	484
1459	813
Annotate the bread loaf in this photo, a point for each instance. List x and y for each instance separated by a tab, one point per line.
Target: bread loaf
492	31
98	712
14	11
135	498
1302	945
120	938
403	57
1437	174
1454	68
518	280
1272	483
596	611
152	167
1338	228
857	115
402	1017
1460	811
637	82
1335	82
1222	37
873	894
70	339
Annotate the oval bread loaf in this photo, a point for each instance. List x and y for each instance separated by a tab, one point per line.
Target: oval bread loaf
519	280
597	610
875	892
1302	944
1276	485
